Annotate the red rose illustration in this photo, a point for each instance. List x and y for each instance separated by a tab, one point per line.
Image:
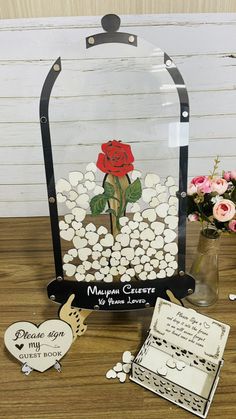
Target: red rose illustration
117	158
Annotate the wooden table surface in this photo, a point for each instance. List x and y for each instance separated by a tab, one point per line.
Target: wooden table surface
81	390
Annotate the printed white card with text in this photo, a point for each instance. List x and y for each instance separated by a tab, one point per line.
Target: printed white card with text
184	327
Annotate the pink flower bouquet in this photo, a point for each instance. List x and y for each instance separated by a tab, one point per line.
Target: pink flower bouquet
212	200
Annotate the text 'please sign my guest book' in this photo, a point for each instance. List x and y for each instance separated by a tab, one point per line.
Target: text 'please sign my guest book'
182	356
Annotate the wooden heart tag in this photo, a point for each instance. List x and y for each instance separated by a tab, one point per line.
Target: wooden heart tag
39	346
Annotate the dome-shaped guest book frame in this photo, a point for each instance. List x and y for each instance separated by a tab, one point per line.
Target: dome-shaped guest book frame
118	173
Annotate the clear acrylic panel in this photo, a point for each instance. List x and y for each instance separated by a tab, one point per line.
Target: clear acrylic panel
116	136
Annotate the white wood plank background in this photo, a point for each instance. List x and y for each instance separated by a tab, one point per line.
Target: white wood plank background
203	47
39	8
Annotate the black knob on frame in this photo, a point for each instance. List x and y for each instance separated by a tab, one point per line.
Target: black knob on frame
110	23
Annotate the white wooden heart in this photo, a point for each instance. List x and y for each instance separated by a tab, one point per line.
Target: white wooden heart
154	263
150	214
134	224
89	185
114	262
89	176
145	244
106	253
69	269
92	237
97	247
162	209
89	277
142	226
139	251
81	189
147	234
77	226
135	234
63	225
90	227
123	239
39	346
70	204
72	195
84	253
135	207
114	271
125	278
79	213
148	194
170	181
126	230
105	270
151	179
108	278
69	218
123	221
159	255
102	230
121	269
61	197
98	190
108	240
67	258
73	252
128	253
173	210
63	186
67	234
75	178
96	255
98	276
151	275
91	167
83	201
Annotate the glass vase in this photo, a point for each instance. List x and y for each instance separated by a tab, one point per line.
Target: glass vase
204	269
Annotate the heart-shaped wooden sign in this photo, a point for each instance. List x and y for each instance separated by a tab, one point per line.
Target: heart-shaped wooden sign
39	346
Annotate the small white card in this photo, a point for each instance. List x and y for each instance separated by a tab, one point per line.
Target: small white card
40	347
186	328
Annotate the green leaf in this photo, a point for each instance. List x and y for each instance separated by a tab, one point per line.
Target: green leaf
97	204
134	191
233	195
110	211
205	218
108	190
191	205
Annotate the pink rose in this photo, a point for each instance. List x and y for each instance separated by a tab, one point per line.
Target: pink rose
224	210
233	174
219	185
192	189
193	217
227	176
232	225
202	184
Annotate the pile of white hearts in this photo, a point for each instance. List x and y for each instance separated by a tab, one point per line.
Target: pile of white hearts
121	369
146	246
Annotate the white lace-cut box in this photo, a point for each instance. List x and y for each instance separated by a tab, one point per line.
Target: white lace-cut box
182	356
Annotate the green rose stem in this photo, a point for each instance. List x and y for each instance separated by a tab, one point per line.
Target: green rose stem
120	209
117	203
